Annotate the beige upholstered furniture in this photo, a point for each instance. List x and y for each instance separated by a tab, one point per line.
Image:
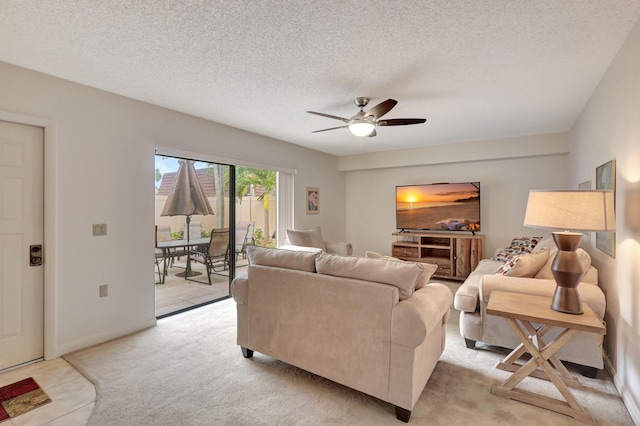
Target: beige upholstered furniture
311	240
359	322
473	295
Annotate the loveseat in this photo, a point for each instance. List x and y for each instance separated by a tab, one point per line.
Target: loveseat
527	269
374	325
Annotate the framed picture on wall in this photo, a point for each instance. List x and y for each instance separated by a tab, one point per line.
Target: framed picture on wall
313	200
606	179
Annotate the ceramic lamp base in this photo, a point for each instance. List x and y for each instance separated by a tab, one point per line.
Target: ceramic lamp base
568	272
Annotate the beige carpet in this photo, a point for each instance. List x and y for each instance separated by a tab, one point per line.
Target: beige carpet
188	371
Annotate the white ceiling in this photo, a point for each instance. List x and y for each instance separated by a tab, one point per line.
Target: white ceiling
476	69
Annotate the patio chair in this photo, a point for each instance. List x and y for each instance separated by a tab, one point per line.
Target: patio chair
244	237
163	233
216	258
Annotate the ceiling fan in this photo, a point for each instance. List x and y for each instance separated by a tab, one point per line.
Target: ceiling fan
365	123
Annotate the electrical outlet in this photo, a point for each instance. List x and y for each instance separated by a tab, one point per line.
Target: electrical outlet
99	229
104	290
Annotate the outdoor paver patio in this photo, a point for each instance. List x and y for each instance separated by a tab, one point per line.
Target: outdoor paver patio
177	293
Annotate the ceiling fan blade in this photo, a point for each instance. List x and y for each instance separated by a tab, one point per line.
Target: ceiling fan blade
335	117
381	109
401	121
332	128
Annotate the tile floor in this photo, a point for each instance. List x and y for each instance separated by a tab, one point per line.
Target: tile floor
72	395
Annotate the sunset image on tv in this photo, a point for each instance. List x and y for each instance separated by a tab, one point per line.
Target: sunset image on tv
450	206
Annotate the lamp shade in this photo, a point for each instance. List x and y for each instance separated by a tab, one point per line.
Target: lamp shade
571	210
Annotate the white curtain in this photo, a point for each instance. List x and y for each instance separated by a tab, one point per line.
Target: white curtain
284	209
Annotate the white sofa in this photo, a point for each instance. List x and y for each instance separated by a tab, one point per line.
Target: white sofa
374	325
477	326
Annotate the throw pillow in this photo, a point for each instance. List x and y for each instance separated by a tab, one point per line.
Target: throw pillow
525	244
525	265
403	275
546	274
299	260
425	277
307	237
546	242
518	246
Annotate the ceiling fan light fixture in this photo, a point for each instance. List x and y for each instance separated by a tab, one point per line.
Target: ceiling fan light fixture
361	127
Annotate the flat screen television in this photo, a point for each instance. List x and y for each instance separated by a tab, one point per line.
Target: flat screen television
438	206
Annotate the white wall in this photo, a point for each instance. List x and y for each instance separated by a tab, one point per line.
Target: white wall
609	128
99	156
505	186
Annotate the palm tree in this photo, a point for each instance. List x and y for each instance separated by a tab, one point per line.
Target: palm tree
257	177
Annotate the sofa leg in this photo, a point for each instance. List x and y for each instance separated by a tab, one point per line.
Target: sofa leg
402	414
471	344
247	353
590	372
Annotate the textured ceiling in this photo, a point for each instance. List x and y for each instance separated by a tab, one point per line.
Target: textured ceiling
476	69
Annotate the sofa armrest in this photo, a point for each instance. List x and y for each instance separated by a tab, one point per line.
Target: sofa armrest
240	289
342	248
413	318
466	298
591	294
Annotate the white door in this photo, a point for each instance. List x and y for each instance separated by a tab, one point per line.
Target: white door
21	231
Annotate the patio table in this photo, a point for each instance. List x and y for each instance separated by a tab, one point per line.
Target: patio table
200	244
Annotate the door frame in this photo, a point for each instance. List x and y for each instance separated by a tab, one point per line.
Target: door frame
50	215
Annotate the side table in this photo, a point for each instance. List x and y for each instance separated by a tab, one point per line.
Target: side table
530	318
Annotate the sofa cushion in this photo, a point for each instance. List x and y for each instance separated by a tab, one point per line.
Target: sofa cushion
525	265
300	260
425	277
518	246
403	275
546	242
306	237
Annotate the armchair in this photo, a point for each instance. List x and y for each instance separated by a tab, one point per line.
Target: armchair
311	240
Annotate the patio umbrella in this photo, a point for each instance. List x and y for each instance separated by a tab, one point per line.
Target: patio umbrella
186	199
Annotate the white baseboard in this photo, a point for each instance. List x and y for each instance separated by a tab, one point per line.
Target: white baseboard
103	337
631	405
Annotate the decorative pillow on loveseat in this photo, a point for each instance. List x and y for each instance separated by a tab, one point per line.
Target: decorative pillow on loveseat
403	275
545	271
525	265
518	246
425	277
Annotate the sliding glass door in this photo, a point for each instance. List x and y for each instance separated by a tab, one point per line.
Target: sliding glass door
193	264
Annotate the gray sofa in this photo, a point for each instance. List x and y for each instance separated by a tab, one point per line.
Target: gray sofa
374	325
477	326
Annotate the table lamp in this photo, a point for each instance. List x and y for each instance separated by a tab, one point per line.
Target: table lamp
569	210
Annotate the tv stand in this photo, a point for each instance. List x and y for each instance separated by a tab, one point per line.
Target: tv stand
456	253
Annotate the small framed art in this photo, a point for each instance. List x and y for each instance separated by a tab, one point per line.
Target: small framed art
313	200
606	179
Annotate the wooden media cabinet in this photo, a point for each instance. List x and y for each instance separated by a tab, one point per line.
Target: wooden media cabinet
456	253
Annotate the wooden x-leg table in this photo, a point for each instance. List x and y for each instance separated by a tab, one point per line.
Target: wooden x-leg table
522	312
